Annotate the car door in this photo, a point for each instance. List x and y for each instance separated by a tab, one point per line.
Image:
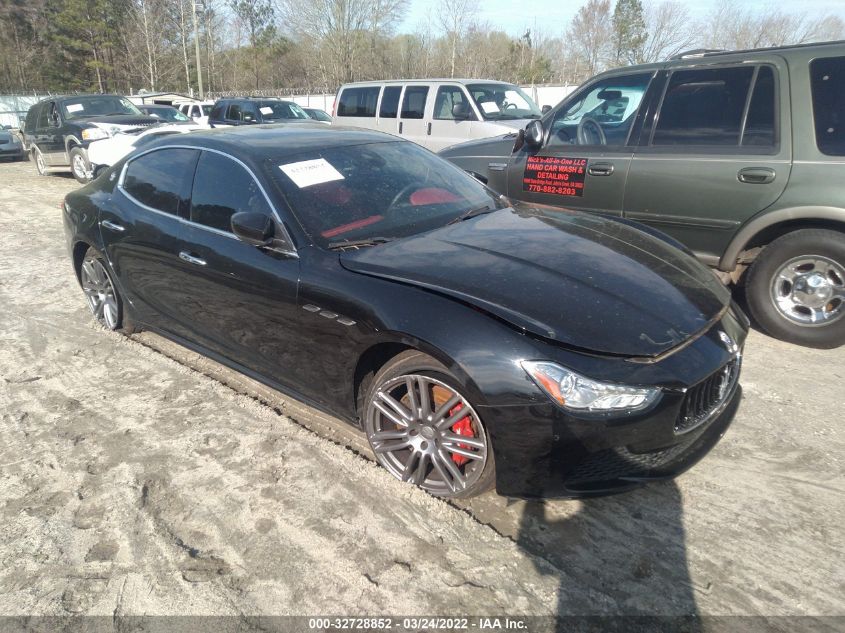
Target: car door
48	135
142	230
583	162
412	114
445	128
242	299
717	153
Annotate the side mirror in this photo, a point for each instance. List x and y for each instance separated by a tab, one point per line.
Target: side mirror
460	111
534	134
253	228
545	108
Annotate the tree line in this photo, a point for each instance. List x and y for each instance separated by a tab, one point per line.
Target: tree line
250	46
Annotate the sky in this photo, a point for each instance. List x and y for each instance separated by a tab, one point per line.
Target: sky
553	17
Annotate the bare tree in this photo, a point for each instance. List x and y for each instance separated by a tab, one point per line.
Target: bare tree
670	31
455	17
591	35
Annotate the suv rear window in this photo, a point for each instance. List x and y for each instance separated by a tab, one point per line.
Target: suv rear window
703	107
358	102
827	80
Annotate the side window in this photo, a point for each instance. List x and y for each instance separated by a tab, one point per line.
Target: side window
221	189
602	114
827	81
760	123
42	121
390	102
446	99
234	113
217	112
249	112
358	101
703	107
162	179
413	103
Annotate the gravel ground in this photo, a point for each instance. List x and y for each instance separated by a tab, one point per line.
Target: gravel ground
139	478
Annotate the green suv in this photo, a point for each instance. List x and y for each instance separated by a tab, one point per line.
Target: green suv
740	156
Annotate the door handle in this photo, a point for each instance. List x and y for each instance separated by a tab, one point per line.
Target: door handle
111	226
428	128
600	169
191	259
400	127
756	175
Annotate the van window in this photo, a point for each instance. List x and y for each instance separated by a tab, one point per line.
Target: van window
413	104
447	97
703	107
760	123
358	101
827	81
390	102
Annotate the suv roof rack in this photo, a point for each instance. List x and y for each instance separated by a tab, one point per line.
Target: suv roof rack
697	52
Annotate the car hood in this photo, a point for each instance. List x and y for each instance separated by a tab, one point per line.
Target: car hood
121	121
584	282
494	146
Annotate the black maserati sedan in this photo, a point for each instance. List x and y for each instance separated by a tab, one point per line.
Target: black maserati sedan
475	341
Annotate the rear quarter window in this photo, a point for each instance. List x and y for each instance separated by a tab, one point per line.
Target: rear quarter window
162	179
827	81
359	102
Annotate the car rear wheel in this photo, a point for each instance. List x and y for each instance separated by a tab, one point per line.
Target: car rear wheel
423	430
796	288
100	293
79	165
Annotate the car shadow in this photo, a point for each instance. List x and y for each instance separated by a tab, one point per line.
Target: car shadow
622	555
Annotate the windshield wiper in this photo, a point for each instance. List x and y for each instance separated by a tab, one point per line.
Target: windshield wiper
369	241
466	215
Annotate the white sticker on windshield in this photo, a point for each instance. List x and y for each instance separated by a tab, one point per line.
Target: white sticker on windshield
74	107
266	110
311	172
489	107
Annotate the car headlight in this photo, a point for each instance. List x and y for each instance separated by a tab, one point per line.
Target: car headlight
93	134
581	394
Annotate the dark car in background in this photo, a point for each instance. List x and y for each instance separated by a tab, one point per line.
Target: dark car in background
11	147
253	110
58	130
553	353
738	155
318	115
165	113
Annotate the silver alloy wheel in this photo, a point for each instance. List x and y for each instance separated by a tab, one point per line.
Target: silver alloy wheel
39	162
80	169
99	292
410	427
810	290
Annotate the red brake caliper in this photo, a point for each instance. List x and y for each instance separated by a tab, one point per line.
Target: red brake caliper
461	427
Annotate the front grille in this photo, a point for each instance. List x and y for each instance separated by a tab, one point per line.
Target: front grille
705	398
615	463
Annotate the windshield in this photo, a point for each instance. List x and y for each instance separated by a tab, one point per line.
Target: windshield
501	102
389	189
100	105
273	110
168	114
317	114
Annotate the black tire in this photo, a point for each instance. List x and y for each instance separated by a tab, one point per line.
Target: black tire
479	474
38	159
80	166
111	315
761	292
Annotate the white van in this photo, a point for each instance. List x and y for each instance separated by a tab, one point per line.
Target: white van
197	110
435	113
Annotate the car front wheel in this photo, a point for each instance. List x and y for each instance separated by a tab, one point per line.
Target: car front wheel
796	288
80	166
423	430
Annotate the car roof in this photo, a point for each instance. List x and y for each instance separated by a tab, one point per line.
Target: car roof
155	105
79	96
463	81
255	143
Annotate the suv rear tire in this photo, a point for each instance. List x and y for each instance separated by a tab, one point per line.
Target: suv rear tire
796	288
